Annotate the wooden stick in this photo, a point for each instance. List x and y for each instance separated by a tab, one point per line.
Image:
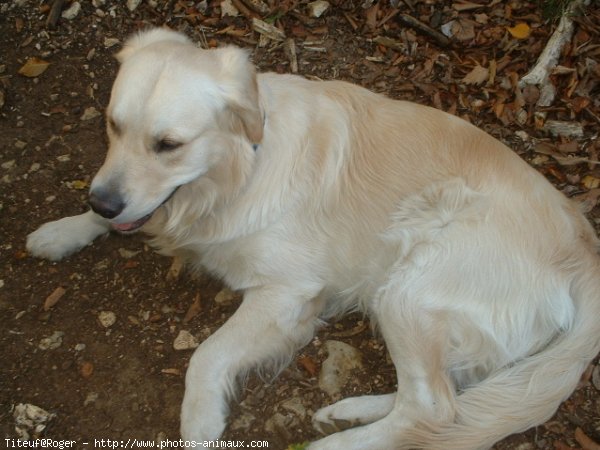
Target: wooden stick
54	13
540	73
438	37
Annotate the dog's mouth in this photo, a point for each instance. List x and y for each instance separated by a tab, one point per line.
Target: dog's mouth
130	227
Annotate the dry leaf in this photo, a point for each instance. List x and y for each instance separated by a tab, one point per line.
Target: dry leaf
308	364
520	31
33	67
53	298
193	310
478	75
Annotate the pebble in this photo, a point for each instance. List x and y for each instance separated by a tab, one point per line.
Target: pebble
80	347
243	422
9	164
229	9
107	318
91	398
111	42
316	9
52	342
133	4
72	11
224	297
30	420
90	113
280	424
294	405
34	167
185	341
336	369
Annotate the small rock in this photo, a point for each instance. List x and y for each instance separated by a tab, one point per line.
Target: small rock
79	347
63	158
90	113
30	420
72	11
90	55
228	9
336	369
35	167
133	4
185	341
9	164
51	342
127	254
317	8
562	128
111	42
295	406
280	424
20	145
243	422
224	297
91	398
107	318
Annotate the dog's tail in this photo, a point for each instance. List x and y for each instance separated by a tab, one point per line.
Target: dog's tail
529	392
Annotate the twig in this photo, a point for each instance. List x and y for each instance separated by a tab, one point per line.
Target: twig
539	75
54	13
244	10
438	37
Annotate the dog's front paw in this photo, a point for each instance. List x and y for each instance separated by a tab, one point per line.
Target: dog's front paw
55	240
202	419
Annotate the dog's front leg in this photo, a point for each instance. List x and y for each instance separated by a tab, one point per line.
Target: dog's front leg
57	239
270	324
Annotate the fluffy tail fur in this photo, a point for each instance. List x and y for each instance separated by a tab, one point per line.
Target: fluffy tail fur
529	392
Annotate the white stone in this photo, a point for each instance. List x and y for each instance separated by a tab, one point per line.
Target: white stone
72	11
90	113
317	8
133	4
107	318
51	342
337	368
185	341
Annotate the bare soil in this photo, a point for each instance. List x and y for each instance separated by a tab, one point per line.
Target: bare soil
126	381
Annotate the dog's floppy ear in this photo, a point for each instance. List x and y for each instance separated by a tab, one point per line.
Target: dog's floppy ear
145	38
238	83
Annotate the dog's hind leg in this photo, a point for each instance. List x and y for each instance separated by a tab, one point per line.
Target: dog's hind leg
57	239
416	341
353	411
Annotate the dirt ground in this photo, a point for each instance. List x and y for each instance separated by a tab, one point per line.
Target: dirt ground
126	380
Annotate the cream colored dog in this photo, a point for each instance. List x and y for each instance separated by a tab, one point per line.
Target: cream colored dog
317	198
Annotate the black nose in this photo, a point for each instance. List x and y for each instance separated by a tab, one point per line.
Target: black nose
108	204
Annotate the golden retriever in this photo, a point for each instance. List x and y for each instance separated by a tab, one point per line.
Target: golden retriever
316	198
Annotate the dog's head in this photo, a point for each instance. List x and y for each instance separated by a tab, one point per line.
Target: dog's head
173	112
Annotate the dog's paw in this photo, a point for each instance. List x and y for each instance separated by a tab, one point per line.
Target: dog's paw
352	412
55	240
201	420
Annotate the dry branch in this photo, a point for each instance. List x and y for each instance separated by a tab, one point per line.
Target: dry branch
548	59
438	37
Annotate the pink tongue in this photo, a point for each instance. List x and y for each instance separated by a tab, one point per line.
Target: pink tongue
124	226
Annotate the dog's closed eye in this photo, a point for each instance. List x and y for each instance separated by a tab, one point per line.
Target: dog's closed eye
167	145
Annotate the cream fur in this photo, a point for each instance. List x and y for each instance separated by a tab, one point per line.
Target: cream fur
483	279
